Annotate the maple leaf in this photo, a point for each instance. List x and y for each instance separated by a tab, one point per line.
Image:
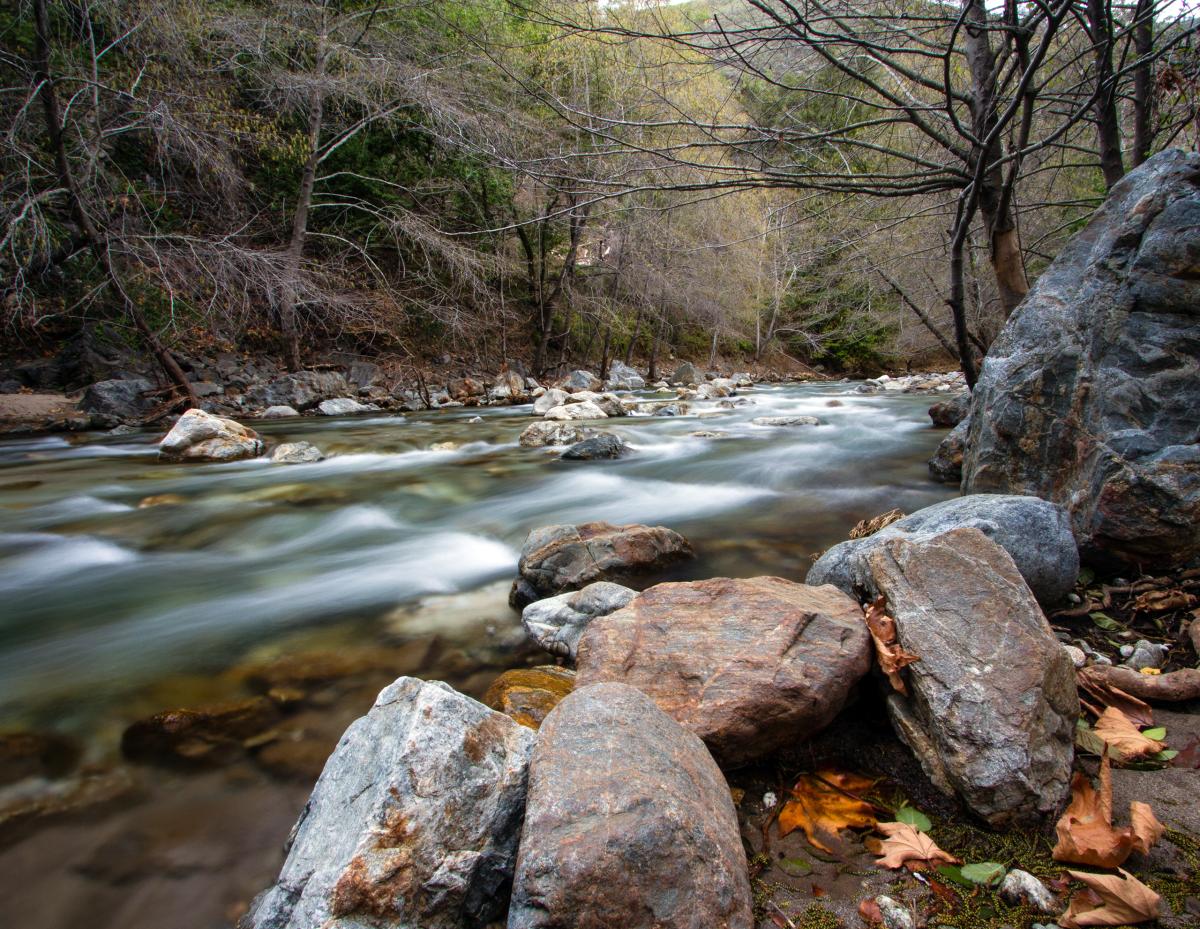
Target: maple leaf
825	802
892	657
1122	737
1107	695
1123	899
905	847
1086	834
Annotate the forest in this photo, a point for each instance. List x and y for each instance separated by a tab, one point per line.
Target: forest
846	186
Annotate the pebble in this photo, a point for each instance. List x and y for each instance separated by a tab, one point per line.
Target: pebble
1022	887
769	800
1078	658
1145	654
895	915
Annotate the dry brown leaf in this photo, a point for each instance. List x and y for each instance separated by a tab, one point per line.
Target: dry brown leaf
1122	737
1107	694
869	911
825	802
1123	900
906	847
1085	831
1159	601
887	647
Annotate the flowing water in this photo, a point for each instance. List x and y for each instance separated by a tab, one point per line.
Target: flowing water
128	585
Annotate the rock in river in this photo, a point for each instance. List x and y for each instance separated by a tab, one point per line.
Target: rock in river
344	406
993	704
1035	533
946	414
786	421
200	436
201	736
946	464
581	380
630	824
413	823
588	409
300	390
549	400
548	432
1088	397
297	453
556	623
749	665
602	446
529	694
555	559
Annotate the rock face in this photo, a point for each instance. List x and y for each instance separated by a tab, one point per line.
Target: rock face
344	406
555	559
630	824
301	390
946	464
414	822
947	414
200	436
556	623
115	401
1089	395
605	445
1035	533
749	665
993	704
541	434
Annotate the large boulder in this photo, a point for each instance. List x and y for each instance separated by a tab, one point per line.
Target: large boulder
587	409
581	380
1037	535
686	373
549	432
1088	397
630	824
301	390
509	385
946	414
117	401
602	446
549	400
623	377
555	559
413	823
557	623
344	406
946	464
749	665
992	708
200	436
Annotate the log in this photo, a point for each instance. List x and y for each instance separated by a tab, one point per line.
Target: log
1172	687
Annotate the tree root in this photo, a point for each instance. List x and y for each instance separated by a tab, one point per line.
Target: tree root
1172	687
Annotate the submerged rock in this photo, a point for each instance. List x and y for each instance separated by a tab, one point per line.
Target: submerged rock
629	824
749	665
202	736
413	823
556	623
946	464
1088	396
786	421
200	436
1035	533
35	754
993	706
297	453
548	432
529	694
555	559
602	446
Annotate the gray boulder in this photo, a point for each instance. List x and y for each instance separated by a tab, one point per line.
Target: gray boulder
1036	534
363	374
549	400
344	406
992	704
297	453
946	414
201	436
604	445
623	377
413	823
549	432
1088	397
581	380
686	373
117	401
786	421
300	390
630	824
556	623
946	464
587	409
278	412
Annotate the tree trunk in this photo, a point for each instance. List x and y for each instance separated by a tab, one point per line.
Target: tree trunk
604	352
1143	81
637	331
655	341
958	302
1108	129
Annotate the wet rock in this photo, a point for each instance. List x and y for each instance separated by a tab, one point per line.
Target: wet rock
200	436
556	623
1088	397
786	421
946	414
623	377
611	405
297	453
629	824
278	412
1035	533
993	704
301	671
581	380
363	374
669	409
116	401
549	400
204	736
300	390
344	406
509	386
35	754
604	445
895	914
686	374
541	434
465	387
529	694
80	794
585	410
555	559
161	500
946	464
294	759
749	665
1022	888
413	823
1147	655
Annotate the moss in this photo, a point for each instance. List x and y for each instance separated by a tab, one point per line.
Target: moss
816	916
1173	889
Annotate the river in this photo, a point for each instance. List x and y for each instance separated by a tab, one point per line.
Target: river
129	586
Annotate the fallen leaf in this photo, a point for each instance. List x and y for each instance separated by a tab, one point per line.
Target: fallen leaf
1159	601
905	847
890	655
1150	671
825	802
1123	899
1086	834
1122	737
1138	711
914	817
984	872
869	911
1189	755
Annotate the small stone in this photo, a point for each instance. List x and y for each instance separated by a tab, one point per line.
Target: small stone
475	419
200	436
769	800
278	412
1078	658
297	453
895	915
1021	887
1146	655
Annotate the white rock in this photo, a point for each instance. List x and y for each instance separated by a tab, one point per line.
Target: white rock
297	453
549	400
1022	887
278	412
585	410
344	406
201	436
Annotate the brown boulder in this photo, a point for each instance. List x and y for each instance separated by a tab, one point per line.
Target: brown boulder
529	694
749	665
555	559
628	824
993	703
207	735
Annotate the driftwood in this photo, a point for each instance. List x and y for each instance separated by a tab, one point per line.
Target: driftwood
1171	687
